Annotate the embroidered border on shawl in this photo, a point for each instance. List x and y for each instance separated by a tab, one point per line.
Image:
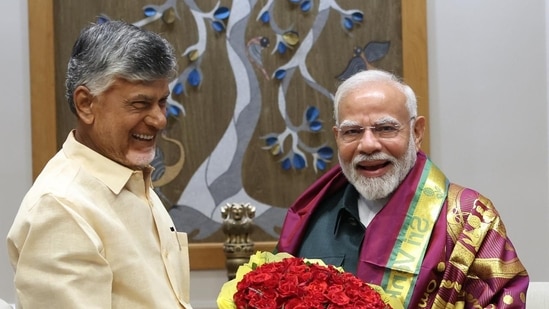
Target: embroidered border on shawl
409	249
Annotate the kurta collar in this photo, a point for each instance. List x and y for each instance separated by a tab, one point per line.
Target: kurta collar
348	208
112	174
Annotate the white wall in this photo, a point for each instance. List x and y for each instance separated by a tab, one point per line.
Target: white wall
488	66
16	171
488	117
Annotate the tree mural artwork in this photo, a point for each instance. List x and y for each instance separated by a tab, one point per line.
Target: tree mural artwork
274	70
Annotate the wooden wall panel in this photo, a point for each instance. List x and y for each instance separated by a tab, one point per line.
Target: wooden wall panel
210	108
42	79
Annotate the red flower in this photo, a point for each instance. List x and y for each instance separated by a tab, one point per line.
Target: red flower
293	283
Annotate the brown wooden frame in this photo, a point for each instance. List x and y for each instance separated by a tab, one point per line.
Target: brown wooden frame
43	113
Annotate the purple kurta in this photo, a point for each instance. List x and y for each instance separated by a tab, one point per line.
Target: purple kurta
469	261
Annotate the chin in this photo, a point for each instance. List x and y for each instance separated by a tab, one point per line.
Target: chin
372	188
375	188
141	161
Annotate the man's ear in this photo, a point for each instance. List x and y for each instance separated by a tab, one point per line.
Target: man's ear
419	130
83	100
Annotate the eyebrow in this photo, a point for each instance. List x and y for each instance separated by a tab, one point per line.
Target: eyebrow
349	123
382	120
386	120
141	96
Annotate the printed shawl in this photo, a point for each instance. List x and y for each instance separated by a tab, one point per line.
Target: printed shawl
434	245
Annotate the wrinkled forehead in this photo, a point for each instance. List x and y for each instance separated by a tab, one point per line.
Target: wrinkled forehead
376	89
376	98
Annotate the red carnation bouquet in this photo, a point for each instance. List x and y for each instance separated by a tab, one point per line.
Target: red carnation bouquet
282	281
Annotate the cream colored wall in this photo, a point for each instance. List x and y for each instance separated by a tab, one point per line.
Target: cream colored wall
488	65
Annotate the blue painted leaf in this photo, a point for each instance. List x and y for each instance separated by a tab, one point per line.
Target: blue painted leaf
312	113
149	11
222	13
173	111
178	89
102	19
347	23
321	165
218	26
326	153
271	141
306	6
294	1
281	48
315	126
194	78
265	17
286	164
280	74
357	17
299	162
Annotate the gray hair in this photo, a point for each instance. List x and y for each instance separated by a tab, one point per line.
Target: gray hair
116	49
362	78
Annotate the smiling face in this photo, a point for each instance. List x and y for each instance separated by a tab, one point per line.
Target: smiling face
123	122
376	164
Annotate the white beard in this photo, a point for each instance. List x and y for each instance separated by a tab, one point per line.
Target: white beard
380	187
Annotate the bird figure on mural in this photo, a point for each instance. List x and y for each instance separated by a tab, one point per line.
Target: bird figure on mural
363	57
254	47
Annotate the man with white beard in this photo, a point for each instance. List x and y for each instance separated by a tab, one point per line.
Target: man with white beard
390	216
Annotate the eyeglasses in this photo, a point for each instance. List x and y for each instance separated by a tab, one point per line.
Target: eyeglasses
352	133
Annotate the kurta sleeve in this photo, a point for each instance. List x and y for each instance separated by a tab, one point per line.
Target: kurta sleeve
60	259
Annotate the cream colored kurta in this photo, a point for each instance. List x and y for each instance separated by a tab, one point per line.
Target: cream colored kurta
91	233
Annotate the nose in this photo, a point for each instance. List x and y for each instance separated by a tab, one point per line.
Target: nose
369	143
157	117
